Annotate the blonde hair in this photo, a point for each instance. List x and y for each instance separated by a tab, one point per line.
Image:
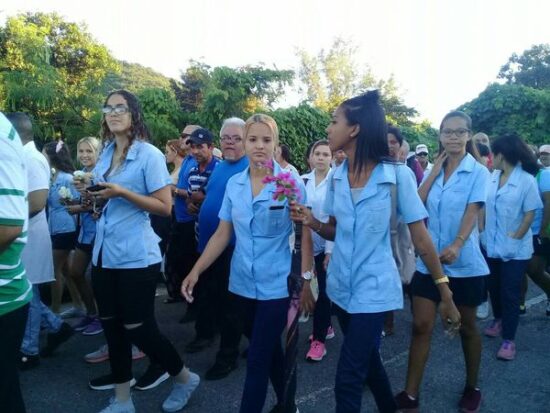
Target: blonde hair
266	120
175	145
94	143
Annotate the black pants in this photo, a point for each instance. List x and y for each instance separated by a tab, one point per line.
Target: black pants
127	296
12	327
211	296
181	255
321	317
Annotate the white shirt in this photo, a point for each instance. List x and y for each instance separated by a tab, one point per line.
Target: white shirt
37	255
316	195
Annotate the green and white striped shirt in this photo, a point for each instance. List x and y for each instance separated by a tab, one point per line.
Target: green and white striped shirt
15	289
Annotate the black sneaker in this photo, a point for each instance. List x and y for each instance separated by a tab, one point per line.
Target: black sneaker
220	370
106	382
198	344
54	340
153	376
27	361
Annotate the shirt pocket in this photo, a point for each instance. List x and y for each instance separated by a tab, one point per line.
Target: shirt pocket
375	216
272	221
457	199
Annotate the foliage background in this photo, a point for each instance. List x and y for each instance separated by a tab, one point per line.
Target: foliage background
56	71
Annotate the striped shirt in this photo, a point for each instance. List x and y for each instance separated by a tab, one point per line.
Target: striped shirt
15	289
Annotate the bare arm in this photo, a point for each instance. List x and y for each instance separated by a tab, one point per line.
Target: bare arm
217	244
424	189
307	249
37	201
300	213
525	225
8	234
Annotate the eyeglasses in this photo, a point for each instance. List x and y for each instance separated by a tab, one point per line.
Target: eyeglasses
117	110
460	133
231	138
423	154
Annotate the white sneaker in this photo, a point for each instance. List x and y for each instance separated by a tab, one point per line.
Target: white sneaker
483	310
119	407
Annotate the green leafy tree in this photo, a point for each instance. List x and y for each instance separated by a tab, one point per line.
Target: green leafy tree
531	68
54	70
333	76
512	108
209	95
162	114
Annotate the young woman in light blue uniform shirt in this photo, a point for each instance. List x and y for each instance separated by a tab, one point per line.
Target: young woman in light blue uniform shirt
363	280
512	200
62	225
454	192
261	262
126	255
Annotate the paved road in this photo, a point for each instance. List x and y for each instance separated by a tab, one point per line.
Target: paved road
60	383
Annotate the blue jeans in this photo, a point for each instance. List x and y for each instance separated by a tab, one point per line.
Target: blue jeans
264	322
505	290
39	316
360	363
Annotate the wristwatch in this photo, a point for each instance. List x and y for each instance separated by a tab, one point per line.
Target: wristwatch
308	275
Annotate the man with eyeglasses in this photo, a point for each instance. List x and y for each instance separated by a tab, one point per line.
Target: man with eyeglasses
214	309
422	154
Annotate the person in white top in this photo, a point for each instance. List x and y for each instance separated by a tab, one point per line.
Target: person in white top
316	252
37	256
422	156
282	156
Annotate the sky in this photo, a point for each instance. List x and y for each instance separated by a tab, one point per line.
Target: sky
442	53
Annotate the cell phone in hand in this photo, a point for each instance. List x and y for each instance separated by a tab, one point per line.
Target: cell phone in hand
95	188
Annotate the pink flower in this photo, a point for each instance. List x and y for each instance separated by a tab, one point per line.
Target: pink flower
285	186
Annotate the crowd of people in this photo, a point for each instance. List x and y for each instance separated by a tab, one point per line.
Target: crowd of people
246	241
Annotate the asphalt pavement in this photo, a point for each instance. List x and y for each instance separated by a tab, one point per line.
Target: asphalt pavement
59	384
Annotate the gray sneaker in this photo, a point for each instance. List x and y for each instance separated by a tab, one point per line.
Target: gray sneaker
116	406
180	394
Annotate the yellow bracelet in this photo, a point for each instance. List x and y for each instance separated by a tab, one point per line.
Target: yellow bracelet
461	238
442	280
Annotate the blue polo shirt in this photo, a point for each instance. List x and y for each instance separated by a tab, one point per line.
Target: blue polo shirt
446	204
543	181
215	190
261	262
180	207
504	212
362	276
124	233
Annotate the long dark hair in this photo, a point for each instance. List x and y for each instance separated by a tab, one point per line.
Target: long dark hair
372	141
60	156
138	128
471	148
514	150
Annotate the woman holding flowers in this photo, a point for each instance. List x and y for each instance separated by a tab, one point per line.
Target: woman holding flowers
62	225
256	208
363	281
126	255
87	152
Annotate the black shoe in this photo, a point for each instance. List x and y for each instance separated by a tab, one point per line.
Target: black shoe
280	408
153	376
198	344
54	340
105	382
220	370
27	361
188	317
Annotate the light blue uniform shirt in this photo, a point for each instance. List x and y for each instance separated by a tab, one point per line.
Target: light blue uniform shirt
504	213
59	219
543	181
124	234
446	206
362	274
261	261
87	226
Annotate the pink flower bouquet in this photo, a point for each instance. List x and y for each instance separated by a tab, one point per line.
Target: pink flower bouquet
285	185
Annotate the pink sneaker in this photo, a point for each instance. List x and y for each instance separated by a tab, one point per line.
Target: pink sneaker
316	351
494	329
330	333
507	351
